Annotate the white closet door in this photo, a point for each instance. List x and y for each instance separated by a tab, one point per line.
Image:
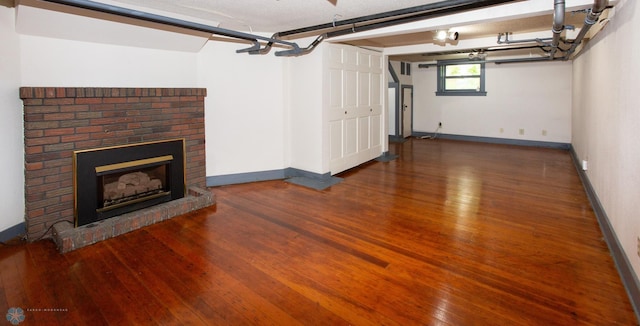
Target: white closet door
355	108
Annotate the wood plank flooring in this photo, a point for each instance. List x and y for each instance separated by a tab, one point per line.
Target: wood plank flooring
450	233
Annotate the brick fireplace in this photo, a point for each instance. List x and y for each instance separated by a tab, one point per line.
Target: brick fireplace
60	121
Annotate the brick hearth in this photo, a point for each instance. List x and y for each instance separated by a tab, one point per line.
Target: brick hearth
58	121
68	238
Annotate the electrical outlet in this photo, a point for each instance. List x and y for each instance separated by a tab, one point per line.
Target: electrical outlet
639	246
544	132
501	130
521	131
440	124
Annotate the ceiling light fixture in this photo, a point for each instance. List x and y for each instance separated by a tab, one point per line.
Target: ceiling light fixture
443	35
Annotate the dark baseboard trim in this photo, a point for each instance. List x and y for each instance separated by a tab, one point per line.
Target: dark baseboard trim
293	172
229	179
492	140
386	157
311	180
628	276
300	177
12	232
397	139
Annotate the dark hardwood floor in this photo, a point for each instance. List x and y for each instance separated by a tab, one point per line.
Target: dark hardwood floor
450	233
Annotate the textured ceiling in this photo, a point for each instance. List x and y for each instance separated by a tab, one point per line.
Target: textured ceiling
270	16
274	15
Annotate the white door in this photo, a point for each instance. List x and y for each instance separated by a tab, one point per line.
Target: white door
343	111
407	109
354	107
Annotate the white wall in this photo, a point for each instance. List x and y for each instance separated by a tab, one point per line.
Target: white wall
304	82
244	109
245	119
402	80
529	96
51	62
11	125
606	121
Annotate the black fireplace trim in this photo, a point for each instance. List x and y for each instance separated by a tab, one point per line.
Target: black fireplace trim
85	180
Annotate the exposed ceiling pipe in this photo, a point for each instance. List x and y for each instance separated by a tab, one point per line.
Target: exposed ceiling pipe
307	50
498	61
130	13
450	4
558	26
508	41
380	20
598	7
519	60
384	19
486	50
289	53
442	8
408	14
557	29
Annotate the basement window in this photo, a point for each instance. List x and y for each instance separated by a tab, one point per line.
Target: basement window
460	78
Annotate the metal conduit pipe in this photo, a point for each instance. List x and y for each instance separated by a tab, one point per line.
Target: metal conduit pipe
499	61
519	60
298	52
598	7
493	49
402	16
384	15
445	10
516	48
292	52
508	41
558	26
130	13
390	14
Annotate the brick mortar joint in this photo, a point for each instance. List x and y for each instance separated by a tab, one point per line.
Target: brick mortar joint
29	92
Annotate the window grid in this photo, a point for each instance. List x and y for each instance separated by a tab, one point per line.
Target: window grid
458	78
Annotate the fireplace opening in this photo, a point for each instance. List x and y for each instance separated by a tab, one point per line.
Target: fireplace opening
124	184
117	180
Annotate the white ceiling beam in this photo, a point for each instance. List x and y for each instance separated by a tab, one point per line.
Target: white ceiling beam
507	11
461	45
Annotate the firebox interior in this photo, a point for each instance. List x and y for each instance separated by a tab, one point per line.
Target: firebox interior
116	180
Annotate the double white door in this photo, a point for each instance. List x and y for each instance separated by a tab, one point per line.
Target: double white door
355	107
